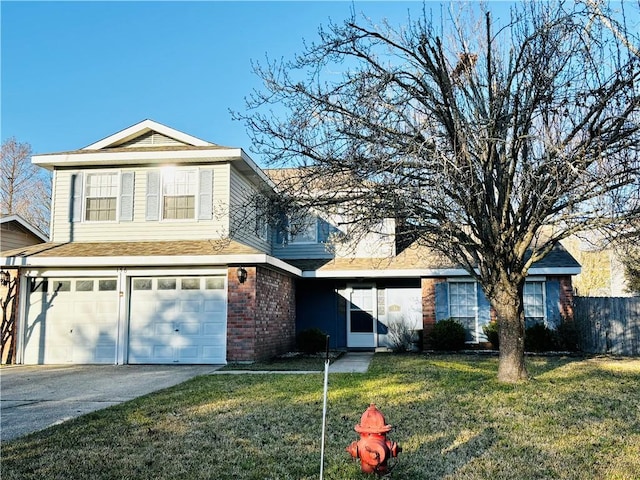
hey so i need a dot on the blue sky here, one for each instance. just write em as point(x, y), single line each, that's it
point(75, 72)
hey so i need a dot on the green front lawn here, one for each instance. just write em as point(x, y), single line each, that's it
point(578, 419)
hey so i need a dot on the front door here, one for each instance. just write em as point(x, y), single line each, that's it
point(361, 317)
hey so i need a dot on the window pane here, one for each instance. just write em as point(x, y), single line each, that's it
point(101, 197)
point(179, 208)
point(39, 285)
point(462, 306)
point(304, 231)
point(107, 285)
point(167, 284)
point(102, 185)
point(84, 285)
point(534, 303)
point(190, 284)
point(361, 322)
point(62, 285)
point(214, 283)
point(179, 191)
point(100, 209)
point(142, 284)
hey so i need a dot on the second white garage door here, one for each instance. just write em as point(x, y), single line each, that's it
point(178, 320)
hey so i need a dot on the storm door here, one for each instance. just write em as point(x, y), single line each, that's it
point(361, 316)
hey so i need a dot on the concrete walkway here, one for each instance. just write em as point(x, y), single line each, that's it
point(352, 362)
point(349, 362)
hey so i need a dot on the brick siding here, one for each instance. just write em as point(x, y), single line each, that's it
point(428, 307)
point(566, 296)
point(260, 315)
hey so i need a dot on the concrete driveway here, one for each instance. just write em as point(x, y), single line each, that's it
point(35, 397)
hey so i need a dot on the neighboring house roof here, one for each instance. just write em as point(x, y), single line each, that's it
point(24, 224)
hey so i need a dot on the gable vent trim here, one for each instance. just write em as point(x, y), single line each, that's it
point(150, 139)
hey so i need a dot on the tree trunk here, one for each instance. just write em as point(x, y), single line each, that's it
point(509, 308)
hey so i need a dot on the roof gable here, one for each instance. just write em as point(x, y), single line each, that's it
point(21, 222)
point(148, 133)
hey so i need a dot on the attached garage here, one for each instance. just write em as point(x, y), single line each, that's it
point(178, 320)
point(71, 320)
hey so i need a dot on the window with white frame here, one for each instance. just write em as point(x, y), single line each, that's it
point(101, 197)
point(534, 304)
point(179, 194)
point(304, 230)
point(463, 307)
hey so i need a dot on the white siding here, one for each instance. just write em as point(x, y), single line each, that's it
point(139, 229)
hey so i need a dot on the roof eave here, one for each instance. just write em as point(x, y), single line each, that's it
point(155, 157)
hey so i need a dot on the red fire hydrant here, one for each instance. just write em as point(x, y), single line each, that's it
point(373, 449)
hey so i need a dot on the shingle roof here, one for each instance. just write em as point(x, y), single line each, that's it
point(417, 258)
point(412, 258)
point(133, 249)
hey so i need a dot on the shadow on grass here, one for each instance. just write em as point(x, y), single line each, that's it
point(449, 414)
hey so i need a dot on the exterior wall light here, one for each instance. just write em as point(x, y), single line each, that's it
point(242, 274)
point(5, 278)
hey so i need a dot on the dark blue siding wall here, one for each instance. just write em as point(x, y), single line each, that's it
point(442, 301)
point(317, 306)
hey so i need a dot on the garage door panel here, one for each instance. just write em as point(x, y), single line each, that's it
point(67, 323)
point(162, 352)
point(163, 328)
point(190, 306)
point(190, 328)
point(214, 306)
point(181, 319)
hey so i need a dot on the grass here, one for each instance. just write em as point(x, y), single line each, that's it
point(577, 419)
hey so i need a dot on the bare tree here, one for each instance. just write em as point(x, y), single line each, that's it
point(25, 188)
point(489, 146)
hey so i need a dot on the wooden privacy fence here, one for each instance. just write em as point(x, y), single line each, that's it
point(608, 324)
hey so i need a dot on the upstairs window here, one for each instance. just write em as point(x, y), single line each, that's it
point(179, 194)
point(304, 230)
point(101, 197)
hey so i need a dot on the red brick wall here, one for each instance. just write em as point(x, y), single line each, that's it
point(241, 306)
point(428, 307)
point(260, 315)
point(275, 314)
point(566, 296)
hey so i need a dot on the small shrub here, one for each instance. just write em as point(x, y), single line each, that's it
point(493, 334)
point(448, 335)
point(568, 336)
point(312, 340)
point(401, 336)
point(539, 338)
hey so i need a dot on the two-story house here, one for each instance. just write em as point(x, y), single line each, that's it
point(158, 255)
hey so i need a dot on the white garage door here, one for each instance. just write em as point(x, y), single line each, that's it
point(178, 320)
point(71, 320)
